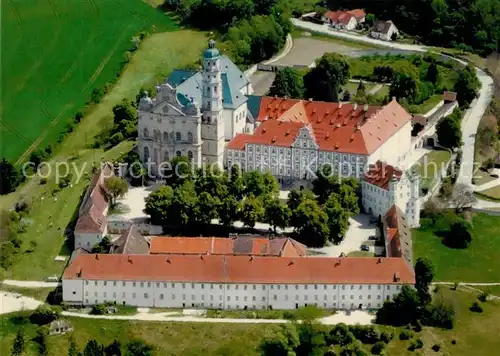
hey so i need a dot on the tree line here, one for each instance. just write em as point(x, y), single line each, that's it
point(324, 82)
point(470, 25)
point(191, 200)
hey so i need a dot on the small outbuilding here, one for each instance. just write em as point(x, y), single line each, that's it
point(384, 30)
point(59, 327)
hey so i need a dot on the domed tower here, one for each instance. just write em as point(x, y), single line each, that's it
point(212, 124)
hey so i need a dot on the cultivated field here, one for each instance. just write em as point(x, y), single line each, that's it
point(54, 53)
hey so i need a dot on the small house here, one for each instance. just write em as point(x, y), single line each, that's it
point(58, 327)
point(340, 20)
point(384, 30)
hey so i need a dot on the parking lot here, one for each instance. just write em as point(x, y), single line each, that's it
point(360, 229)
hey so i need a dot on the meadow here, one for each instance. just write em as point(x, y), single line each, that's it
point(54, 53)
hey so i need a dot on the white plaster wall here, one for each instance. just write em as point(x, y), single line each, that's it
point(227, 295)
point(395, 149)
point(87, 240)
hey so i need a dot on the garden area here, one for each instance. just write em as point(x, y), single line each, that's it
point(478, 262)
point(429, 167)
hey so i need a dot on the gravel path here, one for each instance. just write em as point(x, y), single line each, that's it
point(12, 302)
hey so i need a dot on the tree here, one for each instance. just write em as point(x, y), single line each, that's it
point(125, 119)
point(325, 183)
point(102, 246)
point(361, 89)
point(370, 19)
point(404, 86)
point(236, 185)
point(206, 208)
point(277, 214)
point(462, 197)
point(229, 211)
point(432, 74)
point(324, 81)
point(158, 205)
point(44, 315)
point(338, 218)
point(9, 177)
point(180, 171)
point(41, 340)
point(348, 199)
point(252, 211)
point(138, 348)
point(259, 184)
point(466, 86)
point(424, 274)
point(19, 343)
point(459, 235)
point(378, 348)
point(93, 348)
point(449, 132)
point(117, 187)
point(402, 310)
point(384, 74)
point(340, 335)
point(287, 83)
point(113, 349)
point(311, 223)
point(283, 343)
point(72, 348)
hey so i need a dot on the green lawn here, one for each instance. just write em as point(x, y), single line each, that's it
point(480, 262)
point(57, 52)
point(430, 165)
point(360, 254)
point(426, 106)
point(475, 333)
point(493, 193)
point(482, 177)
point(168, 338)
point(158, 55)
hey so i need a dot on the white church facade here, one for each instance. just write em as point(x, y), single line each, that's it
point(194, 113)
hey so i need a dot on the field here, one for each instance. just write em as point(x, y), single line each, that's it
point(480, 262)
point(158, 55)
point(169, 338)
point(57, 52)
point(492, 193)
point(474, 333)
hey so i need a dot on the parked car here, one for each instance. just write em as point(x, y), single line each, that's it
point(373, 220)
point(365, 248)
point(373, 238)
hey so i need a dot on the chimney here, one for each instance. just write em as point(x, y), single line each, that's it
point(365, 107)
point(379, 260)
point(251, 258)
point(286, 97)
point(291, 262)
point(96, 256)
point(129, 260)
point(310, 99)
point(355, 106)
point(340, 105)
point(168, 260)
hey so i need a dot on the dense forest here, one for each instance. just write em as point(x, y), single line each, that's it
point(472, 25)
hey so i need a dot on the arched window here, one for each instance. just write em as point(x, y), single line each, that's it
point(190, 155)
point(146, 154)
point(166, 156)
point(165, 136)
point(190, 136)
point(155, 155)
point(178, 136)
point(157, 135)
point(146, 132)
point(178, 153)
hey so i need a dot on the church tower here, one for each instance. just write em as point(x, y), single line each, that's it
point(212, 124)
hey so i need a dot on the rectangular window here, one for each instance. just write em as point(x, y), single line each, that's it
point(87, 283)
point(149, 284)
point(142, 284)
point(173, 285)
point(114, 283)
point(145, 295)
point(192, 285)
point(161, 296)
point(133, 284)
point(133, 295)
point(183, 285)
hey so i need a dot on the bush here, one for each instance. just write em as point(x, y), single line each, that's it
point(44, 315)
point(476, 308)
point(43, 181)
point(378, 347)
point(78, 116)
point(483, 297)
point(436, 347)
point(31, 246)
point(416, 344)
point(98, 309)
point(387, 336)
point(405, 335)
point(365, 334)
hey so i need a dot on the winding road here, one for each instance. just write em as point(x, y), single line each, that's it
point(472, 116)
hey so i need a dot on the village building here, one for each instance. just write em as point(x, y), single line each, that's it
point(340, 20)
point(58, 327)
point(384, 186)
point(384, 30)
point(397, 235)
point(234, 282)
point(293, 138)
point(194, 113)
point(240, 245)
point(130, 242)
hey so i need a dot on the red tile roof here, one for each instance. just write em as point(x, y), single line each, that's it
point(339, 17)
point(240, 269)
point(227, 246)
point(398, 235)
point(449, 96)
point(358, 13)
point(380, 174)
point(347, 128)
point(94, 204)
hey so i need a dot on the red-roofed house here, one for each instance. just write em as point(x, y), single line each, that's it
point(341, 19)
point(397, 235)
point(384, 187)
point(295, 137)
point(234, 282)
point(91, 225)
point(360, 14)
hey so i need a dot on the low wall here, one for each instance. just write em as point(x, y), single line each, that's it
point(118, 226)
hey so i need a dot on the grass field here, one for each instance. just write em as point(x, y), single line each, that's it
point(480, 262)
point(168, 338)
point(429, 166)
point(158, 55)
point(493, 193)
point(427, 105)
point(57, 52)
